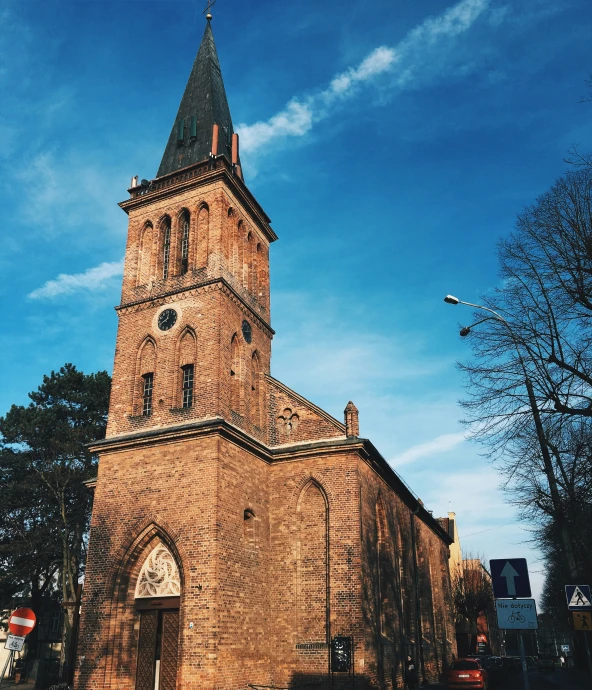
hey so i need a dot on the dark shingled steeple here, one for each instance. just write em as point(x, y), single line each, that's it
point(203, 105)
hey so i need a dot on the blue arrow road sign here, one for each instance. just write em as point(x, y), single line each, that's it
point(509, 577)
point(578, 597)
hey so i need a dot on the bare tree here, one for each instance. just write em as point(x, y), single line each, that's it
point(530, 382)
point(472, 594)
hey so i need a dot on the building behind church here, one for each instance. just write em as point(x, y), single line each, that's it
point(239, 532)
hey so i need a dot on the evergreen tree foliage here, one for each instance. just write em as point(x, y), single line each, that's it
point(44, 504)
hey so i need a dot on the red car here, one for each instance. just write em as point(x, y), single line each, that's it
point(467, 673)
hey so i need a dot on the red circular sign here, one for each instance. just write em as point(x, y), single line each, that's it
point(21, 622)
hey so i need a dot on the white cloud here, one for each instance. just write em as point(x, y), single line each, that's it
point(294, 120)
point(379, 61)
point(418, 56)
point(435, 446)
point(91, 280)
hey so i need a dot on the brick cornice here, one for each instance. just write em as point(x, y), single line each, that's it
point(361, 447)
point(202, 286)
point(193, 177)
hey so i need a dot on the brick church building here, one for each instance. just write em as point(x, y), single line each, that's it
point(240, 534)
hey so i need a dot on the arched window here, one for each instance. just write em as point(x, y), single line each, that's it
point(249, 529)
point(145, 255)
point(235, 374)
point(249, 256)
point(313, 565)
point(240, 256)
point(257, 271)
point(184, 234)
point(187, 355)
point(166, 246)
point(145, 379)
point(159, 576)
point(227, 240)
point(203, 231)
point(384, 569)
point(255, 390)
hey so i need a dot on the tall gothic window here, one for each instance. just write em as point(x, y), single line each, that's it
point(255, 394)
point(184, 244)
point(187, 385)
point(147, 394)
point(234, 374)
point(166, 250)
point(313, 565)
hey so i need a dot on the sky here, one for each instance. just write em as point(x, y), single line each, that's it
point(392, 143)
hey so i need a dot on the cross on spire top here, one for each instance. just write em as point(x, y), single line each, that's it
point(209, 6)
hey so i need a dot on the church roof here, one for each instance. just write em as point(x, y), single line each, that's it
point(203, 104)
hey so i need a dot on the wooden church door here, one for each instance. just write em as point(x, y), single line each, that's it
point(157, 602)
point(158, 649)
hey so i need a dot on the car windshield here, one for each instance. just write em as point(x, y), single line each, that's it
point(464, 666)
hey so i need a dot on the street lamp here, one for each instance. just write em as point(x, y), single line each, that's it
point(536, 415)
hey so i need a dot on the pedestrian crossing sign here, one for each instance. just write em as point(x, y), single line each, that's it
point(578, 597)
point(582, 620)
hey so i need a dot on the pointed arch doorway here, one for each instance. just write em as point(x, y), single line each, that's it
point(157, 599)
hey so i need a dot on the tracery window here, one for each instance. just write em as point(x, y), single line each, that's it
point(159, 576)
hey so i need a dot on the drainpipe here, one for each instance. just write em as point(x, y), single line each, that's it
point(417, 599)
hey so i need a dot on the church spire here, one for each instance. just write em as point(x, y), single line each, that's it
point(203, 124)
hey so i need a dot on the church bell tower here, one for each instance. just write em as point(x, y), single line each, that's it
point(194, 338)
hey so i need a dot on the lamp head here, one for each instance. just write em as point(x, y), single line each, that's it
point(450, 299)
point(464, 332)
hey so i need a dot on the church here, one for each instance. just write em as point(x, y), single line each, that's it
point(241, 536)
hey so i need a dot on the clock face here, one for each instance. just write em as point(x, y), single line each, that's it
point(167, 319)
point(247, 331)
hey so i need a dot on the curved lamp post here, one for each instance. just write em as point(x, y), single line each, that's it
point(536, 415)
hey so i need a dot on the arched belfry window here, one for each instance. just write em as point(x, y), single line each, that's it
point(203, 231)
point(184, 232)
point(255, 390)
point(166, 247)
point(159, 576)
point(144, 273)
point(235, 374)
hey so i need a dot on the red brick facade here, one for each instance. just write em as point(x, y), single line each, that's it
point(286, 527)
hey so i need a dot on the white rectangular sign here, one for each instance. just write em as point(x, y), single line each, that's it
point(516, 614)
point(14, 643)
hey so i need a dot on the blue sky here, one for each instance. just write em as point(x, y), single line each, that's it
point(391, 143)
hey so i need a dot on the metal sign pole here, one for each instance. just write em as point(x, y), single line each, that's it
point(524, 665)
point(587, 648)
point(8, 660)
